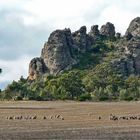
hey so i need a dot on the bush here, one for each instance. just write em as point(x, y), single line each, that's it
point(85, 97)
point(126, 95)
point(17, 98)
point(38, 98)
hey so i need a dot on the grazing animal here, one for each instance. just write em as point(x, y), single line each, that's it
point(99, 117)
point(111, 117)
point(34, 117)
point(62, 118)
point(57, 116)
point(17, 117)
point(26, 117)
point(20, 117)
point(10, 118)
point(51, 117)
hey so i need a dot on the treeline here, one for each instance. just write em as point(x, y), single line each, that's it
point(99, 84)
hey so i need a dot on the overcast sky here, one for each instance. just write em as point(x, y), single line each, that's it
point(26, 24)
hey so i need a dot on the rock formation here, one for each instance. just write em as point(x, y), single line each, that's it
point(94, 32)
point(134, 28)
point(61, 50)
point(81, 40)
point(129, 61)
point(37, 67)
point(108, 30)
point(57, 52)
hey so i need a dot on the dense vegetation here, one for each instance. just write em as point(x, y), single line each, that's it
point(93, 78)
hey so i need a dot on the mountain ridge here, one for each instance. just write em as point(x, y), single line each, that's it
point(61, 51)
point(99, 65)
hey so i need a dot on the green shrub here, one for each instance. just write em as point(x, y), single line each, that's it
point(85, 97)
point(17, 98)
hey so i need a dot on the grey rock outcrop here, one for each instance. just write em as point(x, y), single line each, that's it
point(129, 61)
point(133, 50)
point(81, 40)
point(108, 30)
point(133, 29)
point(37, 67)
point(57, 52)
point(61, 51)
point(63, 48)
point(94, 32)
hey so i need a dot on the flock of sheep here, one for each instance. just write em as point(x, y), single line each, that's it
point(58, 116)
point(29, 117)
point(130, 117)
point(116, 117)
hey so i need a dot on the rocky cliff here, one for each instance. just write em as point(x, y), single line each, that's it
point(129, 61)
point(61, 51)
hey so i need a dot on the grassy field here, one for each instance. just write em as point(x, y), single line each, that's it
point(77, 120)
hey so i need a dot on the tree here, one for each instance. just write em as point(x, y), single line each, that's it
point(132, 84)
point(66, 86)
point(103, 75)
point(71, 83)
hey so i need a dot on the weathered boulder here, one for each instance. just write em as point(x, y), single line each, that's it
point(81, 40)
point(94, 32)
point(57, 52)
point(37, 68)
point(133, 29)
point(128, 63)
point(108, 30)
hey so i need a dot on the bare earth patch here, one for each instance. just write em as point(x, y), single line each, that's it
point(68, 120)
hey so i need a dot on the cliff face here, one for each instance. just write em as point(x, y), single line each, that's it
point(57, 52)
point(61, 50)
point(129, 61)
point(134, 28)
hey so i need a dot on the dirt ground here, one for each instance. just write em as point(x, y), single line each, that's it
point(76, 120)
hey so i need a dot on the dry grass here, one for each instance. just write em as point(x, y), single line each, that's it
point(81, 120)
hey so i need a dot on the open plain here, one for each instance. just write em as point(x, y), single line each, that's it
point(29, 120)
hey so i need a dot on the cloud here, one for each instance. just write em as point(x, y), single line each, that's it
point(16, 39)
point(75, 13)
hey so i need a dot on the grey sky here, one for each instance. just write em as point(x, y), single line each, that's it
point(26, 24)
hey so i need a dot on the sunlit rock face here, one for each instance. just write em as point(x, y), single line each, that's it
point(61, 51)
point(129, 62)
point(37, 67)
point(57, 52)
point(108, 30)
point(134, 28)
